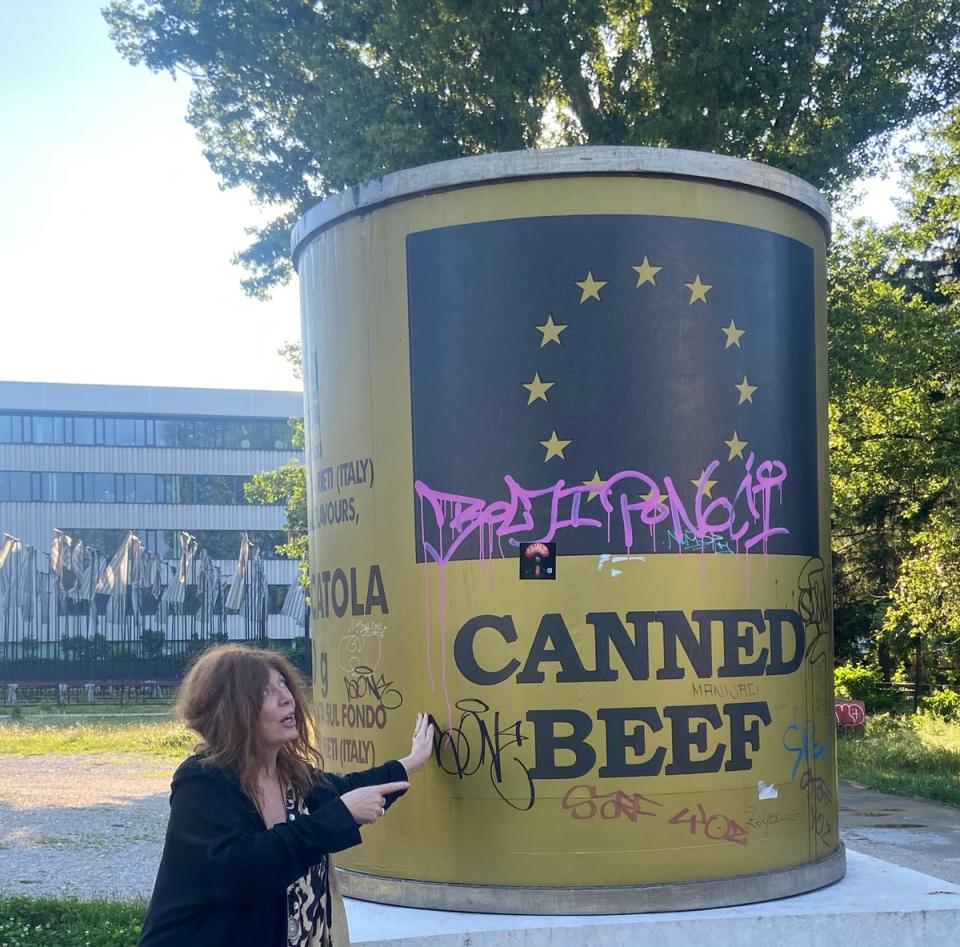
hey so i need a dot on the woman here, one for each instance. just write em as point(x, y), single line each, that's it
point(253, 817)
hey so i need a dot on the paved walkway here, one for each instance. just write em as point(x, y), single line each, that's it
point(912, 833)
point(84, 825)
point(93, 826)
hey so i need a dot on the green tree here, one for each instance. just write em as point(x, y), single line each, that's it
point(932, 267)
point(29, 647)
point(153, 642)
point(297, 99)
point(895, 417)
point(286, 485)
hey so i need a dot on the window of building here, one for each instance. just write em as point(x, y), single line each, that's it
point(46, 487)
point(198, 433)
point(44, 430)
point(183, 489)
point(56, 487)
point(145, 488)
point(217, 490)
point(104, 488)
point(20, 486)
point(62, 487)
point(126, 432)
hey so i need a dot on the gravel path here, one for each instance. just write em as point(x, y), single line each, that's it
point(84, 825)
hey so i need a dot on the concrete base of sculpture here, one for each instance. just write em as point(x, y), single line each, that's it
point(875, 904)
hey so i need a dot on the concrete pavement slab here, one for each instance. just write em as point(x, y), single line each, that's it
point(912, 833)
point(876, 905)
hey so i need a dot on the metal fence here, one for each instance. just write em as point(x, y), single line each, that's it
point(84, 628)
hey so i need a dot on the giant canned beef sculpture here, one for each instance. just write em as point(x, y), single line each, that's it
point(566, 428)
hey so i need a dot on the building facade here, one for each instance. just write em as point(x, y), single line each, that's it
point(98, 462)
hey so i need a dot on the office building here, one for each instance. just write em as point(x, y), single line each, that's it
point(97, 462)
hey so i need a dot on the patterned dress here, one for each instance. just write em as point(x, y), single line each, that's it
point(309, 901)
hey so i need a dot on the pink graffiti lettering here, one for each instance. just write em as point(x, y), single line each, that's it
point(583, 802)
point(850, 714)
point(716, 827)
point(625, 498)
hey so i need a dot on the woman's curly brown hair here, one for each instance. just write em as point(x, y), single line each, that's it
point(221, 698)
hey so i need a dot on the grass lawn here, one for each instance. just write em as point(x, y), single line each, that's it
point(910, 755)
point(42, 922)
point(99, 709)
point(155, 736)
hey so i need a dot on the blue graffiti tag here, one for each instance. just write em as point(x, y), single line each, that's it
point(801, 740)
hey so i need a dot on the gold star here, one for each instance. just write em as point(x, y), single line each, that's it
point(597, 481)
point(590, 287)
point(654, 496)
point(551, 331)
point(646, 273)
point(746, 391)
point(706, 485)
point(538, 389)
point(733, 334)
point(698, 290)
point(555, 447)
point(736, 446)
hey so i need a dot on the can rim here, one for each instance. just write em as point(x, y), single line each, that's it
point(587, 160)
point(693, 895)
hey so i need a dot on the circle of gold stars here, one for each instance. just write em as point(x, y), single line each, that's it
point(590, 288)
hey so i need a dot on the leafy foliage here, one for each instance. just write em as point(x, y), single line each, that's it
point(296, 99)
point(853, 682)
point(895, 415)
point(943, 703)
point(79, 647)
point(857, 683)
point(153, 642)
point(298, 653)
point(286, 485)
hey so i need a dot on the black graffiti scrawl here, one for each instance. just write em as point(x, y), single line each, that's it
point(612, 383)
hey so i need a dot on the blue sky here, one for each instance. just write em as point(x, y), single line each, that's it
point(115, 240)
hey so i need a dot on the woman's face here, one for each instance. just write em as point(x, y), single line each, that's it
point(278, 723)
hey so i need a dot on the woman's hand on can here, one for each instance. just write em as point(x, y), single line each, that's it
point(421, 746)
point(368, 803)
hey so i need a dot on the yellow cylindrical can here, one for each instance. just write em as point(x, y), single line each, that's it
point(568, 492)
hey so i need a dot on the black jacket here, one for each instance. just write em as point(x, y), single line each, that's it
point(223, 876)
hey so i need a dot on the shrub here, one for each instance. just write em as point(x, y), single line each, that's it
point(298, 653)
point(152, 642)
point(861, 683)
point(74, 647)
point(943, 703)
point(857, 683)
point(29, 646)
